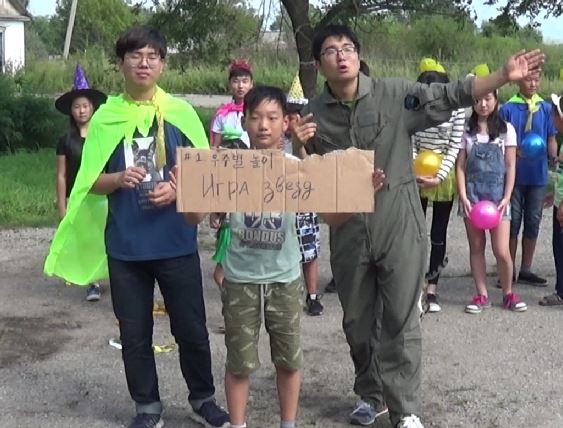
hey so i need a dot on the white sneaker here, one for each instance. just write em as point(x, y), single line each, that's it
point(410, 421)
point(432, 302)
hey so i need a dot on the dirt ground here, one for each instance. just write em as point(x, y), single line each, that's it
point(497, 369)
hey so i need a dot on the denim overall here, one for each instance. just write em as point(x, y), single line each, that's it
point(485, 171)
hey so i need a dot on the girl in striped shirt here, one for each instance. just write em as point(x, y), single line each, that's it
point(445, 140)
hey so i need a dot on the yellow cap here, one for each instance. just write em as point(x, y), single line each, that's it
point(430, 64)
point(481, 70)
point(427, 64)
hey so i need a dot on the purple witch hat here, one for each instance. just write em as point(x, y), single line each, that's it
point(80, 88)
point(80, 81)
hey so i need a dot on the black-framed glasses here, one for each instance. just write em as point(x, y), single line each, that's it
point(136, 59)
point(346, 51)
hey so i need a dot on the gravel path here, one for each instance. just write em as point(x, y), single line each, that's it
point(497, 369)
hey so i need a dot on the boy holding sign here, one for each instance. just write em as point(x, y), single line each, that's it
point(262, 264)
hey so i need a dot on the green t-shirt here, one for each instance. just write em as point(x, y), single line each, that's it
point(264, 248)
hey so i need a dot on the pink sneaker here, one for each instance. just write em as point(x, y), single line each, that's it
point(478, 303)
point(512, 302)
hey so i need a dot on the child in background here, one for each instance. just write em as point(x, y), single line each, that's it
point(227, 131)
point(79, 104)
point(307, 224)
point(308, 231)
point(445, 140)
point(556, 299)
point(528, 112)
point(485, 170)
point(228, 118)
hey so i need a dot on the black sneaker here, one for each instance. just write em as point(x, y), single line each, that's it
point(314, 306)
point(212, 415)
point(93, 292)
point(532, 279)
point(330, 287)
point(146, 420)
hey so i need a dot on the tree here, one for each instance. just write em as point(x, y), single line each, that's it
point(441, 36)
point(530, 8)
point(98, 22)
point(507, 26)
point(347, 11)
point(206, 30)
point(43, 37)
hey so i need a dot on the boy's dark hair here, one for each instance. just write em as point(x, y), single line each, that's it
point(264, 93)
point(139, 37)
point(240, 68)
point(239, 72)
point(333, 30)
point(428, 77)
point(495, 125)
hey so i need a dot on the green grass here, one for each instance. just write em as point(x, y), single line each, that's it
point(27, 186)
point(27, 189)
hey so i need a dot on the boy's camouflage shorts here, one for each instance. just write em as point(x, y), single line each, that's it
point(242, 310)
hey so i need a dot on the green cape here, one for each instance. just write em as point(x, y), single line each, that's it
point(78, 252)
point(519, 99)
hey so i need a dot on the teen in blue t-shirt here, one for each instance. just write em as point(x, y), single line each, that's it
point(146, 239)
point(531, 174)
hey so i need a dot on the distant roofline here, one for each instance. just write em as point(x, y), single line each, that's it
point(24, 14)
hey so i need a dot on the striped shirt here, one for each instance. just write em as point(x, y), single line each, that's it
point(444, 139)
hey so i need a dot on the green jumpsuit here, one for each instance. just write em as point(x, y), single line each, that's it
point(383, 255)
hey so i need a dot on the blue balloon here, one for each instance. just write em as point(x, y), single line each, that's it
point(533, 146)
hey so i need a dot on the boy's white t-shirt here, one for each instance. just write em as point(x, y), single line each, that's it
point(264, 248)
point(234, 120)
point(510, 140)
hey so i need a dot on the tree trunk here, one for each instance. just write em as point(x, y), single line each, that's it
point(298, 12)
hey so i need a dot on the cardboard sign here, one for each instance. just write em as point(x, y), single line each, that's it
point(223, 180)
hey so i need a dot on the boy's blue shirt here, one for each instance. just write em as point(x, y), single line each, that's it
point(530, 172)
point(136, 230)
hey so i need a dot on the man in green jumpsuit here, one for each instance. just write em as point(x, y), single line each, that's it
point(383, 253)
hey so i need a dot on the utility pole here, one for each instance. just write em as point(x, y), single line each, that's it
point(69, 28)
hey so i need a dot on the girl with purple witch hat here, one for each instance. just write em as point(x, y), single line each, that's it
point(79, 104)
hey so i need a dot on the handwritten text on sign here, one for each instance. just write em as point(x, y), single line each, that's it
point(267, 180)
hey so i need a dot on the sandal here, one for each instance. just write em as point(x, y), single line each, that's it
point(551, 300)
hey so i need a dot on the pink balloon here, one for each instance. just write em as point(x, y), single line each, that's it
point(485, 215)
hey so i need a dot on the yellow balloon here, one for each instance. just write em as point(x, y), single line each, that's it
point(427, 164)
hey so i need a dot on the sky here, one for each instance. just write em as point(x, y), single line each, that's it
point(552, 28)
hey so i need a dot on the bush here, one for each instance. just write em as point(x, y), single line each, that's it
point(27, 121)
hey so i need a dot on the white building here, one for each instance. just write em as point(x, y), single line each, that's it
point(13, 16)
